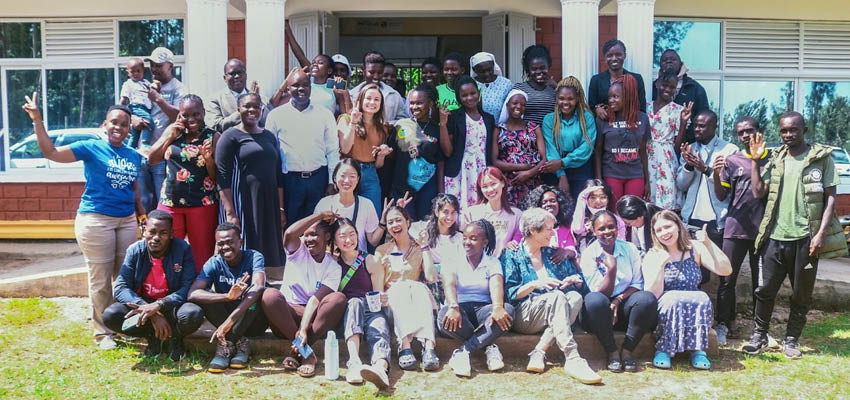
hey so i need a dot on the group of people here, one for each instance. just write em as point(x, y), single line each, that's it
point(469, 206)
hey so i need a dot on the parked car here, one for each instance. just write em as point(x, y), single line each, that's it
point(842, 168)
point(26, 154)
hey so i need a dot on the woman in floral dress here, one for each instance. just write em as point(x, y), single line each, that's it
point(667, 123)
point(671, 271)
point(465, 142)
point(189, 192)
point(518, 148)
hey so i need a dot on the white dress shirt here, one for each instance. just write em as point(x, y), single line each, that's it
point(308, 138)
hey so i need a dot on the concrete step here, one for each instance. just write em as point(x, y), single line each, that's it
point(512, 345)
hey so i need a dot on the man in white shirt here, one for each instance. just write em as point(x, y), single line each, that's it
point(309, 141)
point(695, 178)
point(373, 72)
point(221, 108)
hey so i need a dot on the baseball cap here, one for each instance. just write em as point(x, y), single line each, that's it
point(339, 58)
point(161, 55)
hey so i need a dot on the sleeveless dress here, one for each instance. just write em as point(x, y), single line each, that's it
point(684, 311)
point(519, 147)
point(661, 156)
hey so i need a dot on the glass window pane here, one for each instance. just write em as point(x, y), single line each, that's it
point(762, 100)
point(20, 40)
point(78, 98)
point(698, 43)
point(826, 106)
point(21, 83)
point(139, 38)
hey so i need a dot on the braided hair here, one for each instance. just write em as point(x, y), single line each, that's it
point(631, 104)
point(489, 233)
point(573, 83)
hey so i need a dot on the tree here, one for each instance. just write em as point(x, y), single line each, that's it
point(820, 91)
point(755, 108)
point(668, 35)
point(834, 122)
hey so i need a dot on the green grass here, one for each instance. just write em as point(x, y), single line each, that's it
point(44, 355)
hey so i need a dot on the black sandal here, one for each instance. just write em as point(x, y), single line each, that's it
point(615, 365)
point(629, 365)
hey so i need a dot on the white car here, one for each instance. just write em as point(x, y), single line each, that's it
point(842, 168)
point(26, 154)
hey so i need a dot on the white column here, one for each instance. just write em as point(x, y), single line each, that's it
point(264, 44)
point(635, 28)
point(206, 45)
point(579, 39)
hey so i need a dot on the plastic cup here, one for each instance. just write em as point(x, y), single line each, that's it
point(373, 299)
point(397, 261)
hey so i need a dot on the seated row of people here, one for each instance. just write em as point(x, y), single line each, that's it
point(534, 286)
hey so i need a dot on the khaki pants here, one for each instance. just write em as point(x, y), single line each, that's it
point(552, 313)
point(103, 241)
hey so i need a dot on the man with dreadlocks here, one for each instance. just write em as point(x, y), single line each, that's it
point(570, 135)
point(620, 158)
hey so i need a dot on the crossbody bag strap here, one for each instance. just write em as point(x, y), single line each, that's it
point(351, 270)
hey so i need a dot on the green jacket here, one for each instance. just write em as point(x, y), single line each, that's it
point(835, 244)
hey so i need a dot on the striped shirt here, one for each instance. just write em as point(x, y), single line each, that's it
point(540, 102)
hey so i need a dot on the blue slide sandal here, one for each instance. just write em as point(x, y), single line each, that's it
point(661, 360)
point(699, 360)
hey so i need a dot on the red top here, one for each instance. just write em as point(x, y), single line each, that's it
point(155, 286)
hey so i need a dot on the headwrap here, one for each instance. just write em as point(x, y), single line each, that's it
point(482, 57)
point(503, 116)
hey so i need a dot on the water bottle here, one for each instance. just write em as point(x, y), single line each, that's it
point(331, 357)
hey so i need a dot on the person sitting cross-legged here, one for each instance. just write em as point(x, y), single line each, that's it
point(238, 278)
point(152, 284)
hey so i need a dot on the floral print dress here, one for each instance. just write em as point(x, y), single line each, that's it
point(187, 181)
point(474, 160)
point(663, 163)
point(519, 147)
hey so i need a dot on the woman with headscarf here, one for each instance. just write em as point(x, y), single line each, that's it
point(518, 149)
point(493, 85)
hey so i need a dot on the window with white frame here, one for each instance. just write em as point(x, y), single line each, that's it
point(77, 68)
point(763, 68)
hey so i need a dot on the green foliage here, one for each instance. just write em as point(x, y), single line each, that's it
point(139, 38)
point(20, 40)
point(668, 35)
point(78, 98)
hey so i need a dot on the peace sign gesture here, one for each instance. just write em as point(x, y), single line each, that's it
point(31, 107)
point(444, 113)
point(404, 201)
point(686, 112)
point(239, 287)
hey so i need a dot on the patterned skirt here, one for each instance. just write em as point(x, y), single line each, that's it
point(684, 321)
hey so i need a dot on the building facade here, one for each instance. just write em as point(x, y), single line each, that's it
point(757, 57)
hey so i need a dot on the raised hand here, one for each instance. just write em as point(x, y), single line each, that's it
point(685, 116)
point(239, 287)
point(757, 146)
point(444, 113)
point(255, 87)
point(31, 107)
point(207, 150)
point(405, 200)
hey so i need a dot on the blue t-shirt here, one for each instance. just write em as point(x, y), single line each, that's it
point(110, 174)
point(216, 271)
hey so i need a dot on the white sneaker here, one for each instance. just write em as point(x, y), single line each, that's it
point(460, 363)
point(375, 375)
point(494, 358)
point(353, 375)
point(772, 343)
point(722, 331)
point(577, 368)
point(536, 361)
point(107, 343)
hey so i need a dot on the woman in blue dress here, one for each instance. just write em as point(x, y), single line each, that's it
point(672, 272)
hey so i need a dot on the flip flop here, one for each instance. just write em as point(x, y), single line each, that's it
point(661, 360)
point(699, 360)
point(291, 362)
point(306, 370)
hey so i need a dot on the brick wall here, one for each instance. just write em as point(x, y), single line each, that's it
point(236, 39)
point(39, 201)
point(549, 34)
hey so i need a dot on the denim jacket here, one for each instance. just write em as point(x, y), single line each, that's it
point(178, 264)
point(518, 270)
point(688, 181)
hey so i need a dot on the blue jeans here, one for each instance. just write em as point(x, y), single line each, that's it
point(370, 186)
point(301, 193)
point(145, 135)
point(474, 331)
point(151, 178)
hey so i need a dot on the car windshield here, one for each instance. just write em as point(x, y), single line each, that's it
point(840, 156)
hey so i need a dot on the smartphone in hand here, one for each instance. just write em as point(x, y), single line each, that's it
point(130, 322)
point(303, 348)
